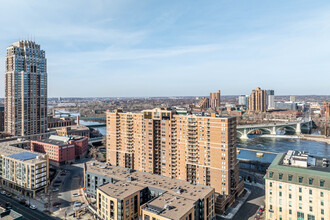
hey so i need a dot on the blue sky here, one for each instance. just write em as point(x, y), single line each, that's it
point(174, 48)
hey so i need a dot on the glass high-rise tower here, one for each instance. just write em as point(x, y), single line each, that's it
point(26, 89)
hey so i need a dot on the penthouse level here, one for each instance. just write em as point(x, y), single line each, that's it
point(123, 193)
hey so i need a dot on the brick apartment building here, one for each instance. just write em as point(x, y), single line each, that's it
point(61, 150)
point(197, 149)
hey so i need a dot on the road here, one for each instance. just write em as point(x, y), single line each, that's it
point(23, 210)
point(252, 204)
point(72, 182)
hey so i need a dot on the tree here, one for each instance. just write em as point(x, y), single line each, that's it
point(93, 152)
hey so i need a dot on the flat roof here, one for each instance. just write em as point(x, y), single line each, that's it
point(170, 206)
point(24, 156)
point(187, 190)
point(120, 190)
point(318, 169)
point(12, 149)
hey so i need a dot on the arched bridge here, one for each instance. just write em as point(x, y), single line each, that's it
point(244, 130)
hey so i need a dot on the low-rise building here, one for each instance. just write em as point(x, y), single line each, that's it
point(61, 150)
point(55, 122)
point(22, 170)
point(79, 130)
point(122, 193)
point(298, 187)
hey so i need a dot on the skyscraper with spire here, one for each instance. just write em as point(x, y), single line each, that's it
point(26, 89)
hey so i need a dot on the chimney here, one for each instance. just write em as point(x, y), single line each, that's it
point(77, 119)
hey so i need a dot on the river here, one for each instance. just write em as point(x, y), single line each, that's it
point(276, 145)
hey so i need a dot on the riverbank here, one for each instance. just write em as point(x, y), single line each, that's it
point(318, 138)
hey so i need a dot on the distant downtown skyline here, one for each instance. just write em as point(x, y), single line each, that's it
point(170, 48)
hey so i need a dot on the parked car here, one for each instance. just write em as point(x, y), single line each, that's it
point(22, 201)
point(33, 207)
point(77, 204)
point(55, 189)
point(76, 194)
point(8, 195)
point(3, 192)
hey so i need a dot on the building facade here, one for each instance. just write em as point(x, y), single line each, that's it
point(270, 99)
point(78, 130)
point(298, 187)
point(61, 150)
point(243, 100)
point(215, 99)
point(2, 117)
point(22, 170)
point(257, 101)
point(123, 193)
point(26, 89)
point(197, 149)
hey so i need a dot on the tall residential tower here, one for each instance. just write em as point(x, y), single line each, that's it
point(26, 89)
point(215, 99)
point(257, 101)
point(197, 149)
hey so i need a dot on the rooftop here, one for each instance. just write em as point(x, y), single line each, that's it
point(170, 206)
point(120, 190)
point(12, 149)
point(60, 140)
point(173, 186)
point(300, 165)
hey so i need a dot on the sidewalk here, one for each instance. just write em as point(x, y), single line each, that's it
point(241, 201)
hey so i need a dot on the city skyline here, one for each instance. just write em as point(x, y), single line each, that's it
point(125, 49)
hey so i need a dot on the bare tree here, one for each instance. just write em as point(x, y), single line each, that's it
point(93, 152)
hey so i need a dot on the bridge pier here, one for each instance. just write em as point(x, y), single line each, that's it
point(273, 131)
point(298, 129)
point(244, 135)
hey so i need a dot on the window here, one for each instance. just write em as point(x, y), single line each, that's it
point(271, 207)
point(310, 181)
point(290, 177)
point(310, 199)
point(300, 179)
point(322, 211)
point(310, 192)
point(280, 176)
point(321, 183)
point(290, 211)
point(310, 208)
point(300, 206)
point(290, 196)
point(300, 198)
point(280, 193)
point(310, 217)
point(271, 174)
point(300, 189)
point(270, 184)
point(322, 203)
point(270, 191)
point(280, 186)
point(300, 216)
point(290, 188)
point(290, 204)
point(280, 209)
point(321, 194)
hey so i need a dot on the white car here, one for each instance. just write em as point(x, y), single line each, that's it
point(3, 192)
point(77, 204)
point(33, 207)
point(76, 194)
point(55, 189)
